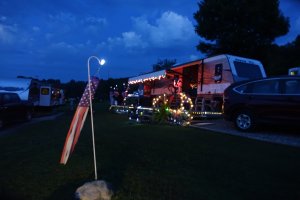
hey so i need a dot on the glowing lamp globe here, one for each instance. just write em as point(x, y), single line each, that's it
point(102, 62)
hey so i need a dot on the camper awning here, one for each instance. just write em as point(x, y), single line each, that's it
point(147, 77)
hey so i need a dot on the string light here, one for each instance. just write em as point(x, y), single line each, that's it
point(207, 113)
point(142, 80)
point(182, 115)
point(159, 99)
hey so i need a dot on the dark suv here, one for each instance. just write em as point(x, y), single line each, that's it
point(13, 109)
point(275, 99)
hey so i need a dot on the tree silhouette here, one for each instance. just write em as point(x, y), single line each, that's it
point(240, 27)
point(279, 59)
point(163, 64)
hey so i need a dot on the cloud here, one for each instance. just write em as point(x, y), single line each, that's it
point(129, 40)
point(3, 18)
point(7, 33)
point(65, 48)
point(36, 28)
point(63, 17)
point(95, 20)
point(48, 36)
point(170, 29)
point(93, 24)
point(64, 23)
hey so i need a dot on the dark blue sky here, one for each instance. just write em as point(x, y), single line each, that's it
point(54, 38)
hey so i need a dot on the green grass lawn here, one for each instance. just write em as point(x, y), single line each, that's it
point(145, 162)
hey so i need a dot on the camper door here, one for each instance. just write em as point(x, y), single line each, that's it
point(45, 96)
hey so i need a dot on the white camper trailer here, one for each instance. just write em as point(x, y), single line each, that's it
point(204, 81)
point(27, 89)
point(32, 90)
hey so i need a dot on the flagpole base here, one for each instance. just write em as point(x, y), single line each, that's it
point(95, 190)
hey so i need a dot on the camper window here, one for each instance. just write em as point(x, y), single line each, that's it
point(45, 91)
point(247, 70)
point(218, 73)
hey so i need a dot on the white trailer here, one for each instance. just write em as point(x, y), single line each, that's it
point(32, 90)
point(203, 80)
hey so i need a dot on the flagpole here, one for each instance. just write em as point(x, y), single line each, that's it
point(101, 62)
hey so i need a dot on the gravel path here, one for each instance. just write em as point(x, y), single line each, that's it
point(280, 135)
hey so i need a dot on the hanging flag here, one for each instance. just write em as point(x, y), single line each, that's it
point(78, 120)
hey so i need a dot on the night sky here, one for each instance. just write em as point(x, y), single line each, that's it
point(53, 38)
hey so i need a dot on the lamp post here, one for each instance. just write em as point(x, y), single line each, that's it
point(101, 62)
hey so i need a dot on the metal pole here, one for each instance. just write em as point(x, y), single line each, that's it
point(92, 118)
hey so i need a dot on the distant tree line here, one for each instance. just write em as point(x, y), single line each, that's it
point(163, 64)
point(75, 89)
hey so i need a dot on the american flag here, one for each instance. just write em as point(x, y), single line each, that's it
point(78, 120)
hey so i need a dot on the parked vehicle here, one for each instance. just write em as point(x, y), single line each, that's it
point(274, 99)
point(12, 108)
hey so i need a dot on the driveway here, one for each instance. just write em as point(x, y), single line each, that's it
point(270, 133)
